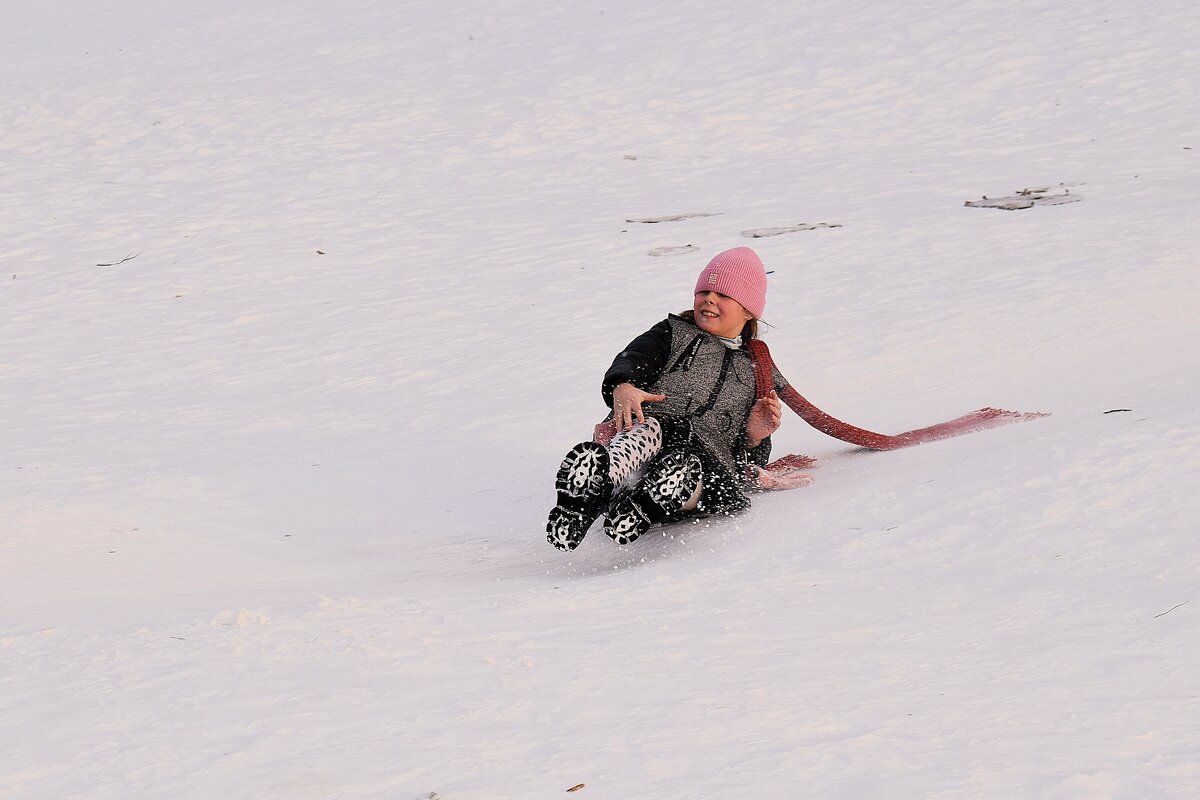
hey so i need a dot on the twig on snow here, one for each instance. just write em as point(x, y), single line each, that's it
point(1172, 608)
point(673, 217)
point(129, 257)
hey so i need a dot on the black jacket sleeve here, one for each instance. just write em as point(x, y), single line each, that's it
point(760, 455)
point(641, 362)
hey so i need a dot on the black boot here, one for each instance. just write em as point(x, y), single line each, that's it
point(670, 481)
point(584, 488)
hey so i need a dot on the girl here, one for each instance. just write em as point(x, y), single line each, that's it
point(687, 425)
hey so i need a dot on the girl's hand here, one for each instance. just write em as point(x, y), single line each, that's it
point(627, 405)
point(765, 418)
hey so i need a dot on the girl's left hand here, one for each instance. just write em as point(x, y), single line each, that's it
point(765, 418)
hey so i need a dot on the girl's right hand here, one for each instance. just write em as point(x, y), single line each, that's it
point(627, 405)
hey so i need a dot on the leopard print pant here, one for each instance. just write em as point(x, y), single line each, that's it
point(630, 451)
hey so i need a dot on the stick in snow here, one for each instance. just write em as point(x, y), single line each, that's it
point(129, 257)
point(1172, 608)
point(672, 218)
point(760, 233)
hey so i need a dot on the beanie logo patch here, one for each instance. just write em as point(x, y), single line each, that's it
point(712, 279)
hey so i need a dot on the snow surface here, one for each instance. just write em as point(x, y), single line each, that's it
point(303, 302)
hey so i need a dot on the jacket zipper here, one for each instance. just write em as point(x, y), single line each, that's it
point(712, 397)
point(686, 358)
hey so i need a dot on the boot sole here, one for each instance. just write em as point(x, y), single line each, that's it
point(583, 486)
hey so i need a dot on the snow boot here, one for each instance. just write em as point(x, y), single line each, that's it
point(584, 488)
point(661, 495)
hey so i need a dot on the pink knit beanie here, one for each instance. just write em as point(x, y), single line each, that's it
point(737, 273)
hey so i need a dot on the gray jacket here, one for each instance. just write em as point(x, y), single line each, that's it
point(706, 382)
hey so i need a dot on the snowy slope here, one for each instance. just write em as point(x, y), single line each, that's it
point(303, 302)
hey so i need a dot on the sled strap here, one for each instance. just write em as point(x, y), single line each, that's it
point(764, 381)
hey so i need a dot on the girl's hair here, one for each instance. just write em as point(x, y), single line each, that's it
point(749, 330)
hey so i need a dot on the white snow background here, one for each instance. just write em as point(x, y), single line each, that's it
point(302, 302)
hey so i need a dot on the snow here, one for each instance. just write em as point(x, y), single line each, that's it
point(276, 478)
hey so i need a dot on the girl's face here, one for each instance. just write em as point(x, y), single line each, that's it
point(720, 315)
